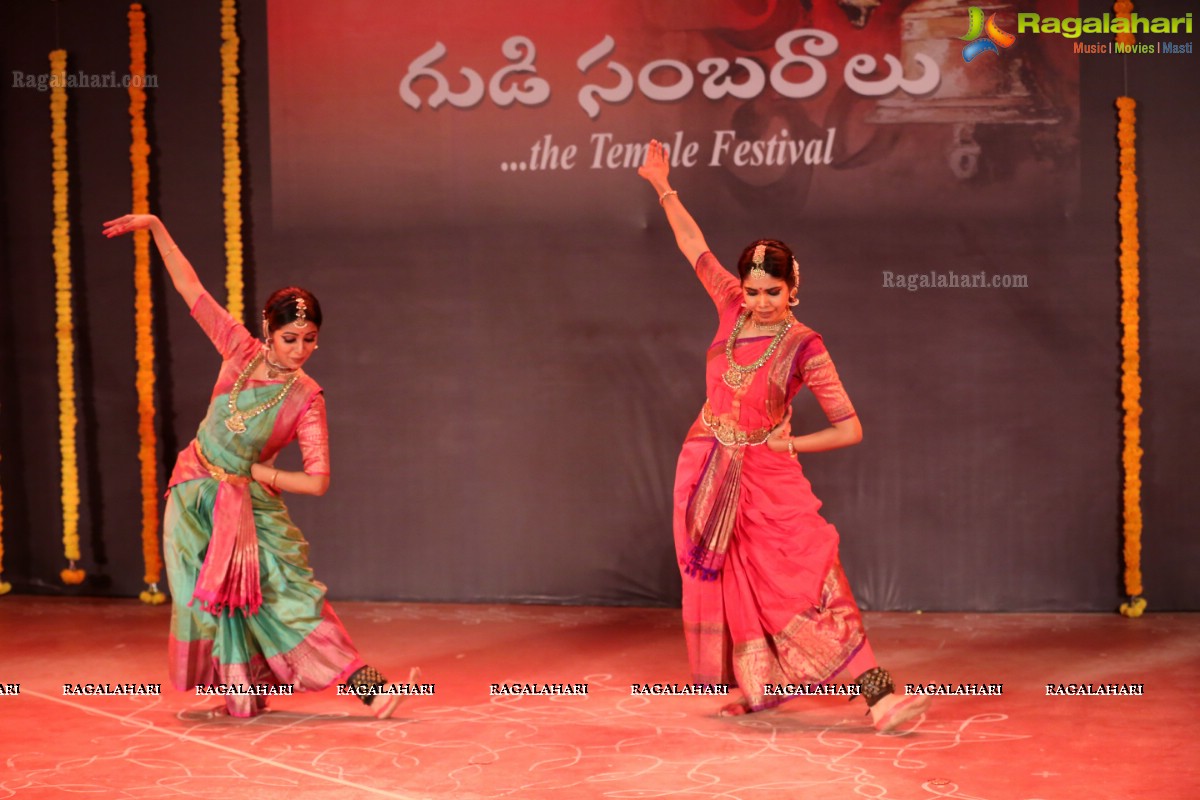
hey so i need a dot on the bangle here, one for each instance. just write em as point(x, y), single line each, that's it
point(791, 448)
point(273, 477)
point(663, 197)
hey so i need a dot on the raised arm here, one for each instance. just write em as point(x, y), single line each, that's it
point(687, 233)
point(178, 267)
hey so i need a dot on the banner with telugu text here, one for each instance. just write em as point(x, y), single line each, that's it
point(382, 112)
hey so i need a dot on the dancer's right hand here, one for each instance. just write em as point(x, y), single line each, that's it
point(128, 224)
point(655, 167)
point(182, 275)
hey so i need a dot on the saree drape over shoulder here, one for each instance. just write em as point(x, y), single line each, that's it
point(764, 597)
point(246, 610)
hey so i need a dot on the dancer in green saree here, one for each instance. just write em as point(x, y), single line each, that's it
point(247, 613)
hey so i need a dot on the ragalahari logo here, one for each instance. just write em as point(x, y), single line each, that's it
point(978, 27)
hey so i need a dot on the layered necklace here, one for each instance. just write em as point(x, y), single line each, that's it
point(236, 421)
point(739, 374)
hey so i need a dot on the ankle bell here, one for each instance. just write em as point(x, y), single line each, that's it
point(876, 684)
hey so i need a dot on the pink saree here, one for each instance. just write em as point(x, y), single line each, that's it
point(764, 597)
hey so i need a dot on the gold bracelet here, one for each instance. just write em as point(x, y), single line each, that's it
point(662, 198)
point(273, 477)
point(791, 448)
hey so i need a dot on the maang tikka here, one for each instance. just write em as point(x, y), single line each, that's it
point(760, 254)
point(301, 313)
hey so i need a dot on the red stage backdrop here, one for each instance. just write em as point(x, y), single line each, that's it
point(398, 111)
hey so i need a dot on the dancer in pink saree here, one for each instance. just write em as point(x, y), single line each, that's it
point(247, 613)
point(765, 603)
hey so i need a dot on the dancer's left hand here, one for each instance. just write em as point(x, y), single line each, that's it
point(263, 471)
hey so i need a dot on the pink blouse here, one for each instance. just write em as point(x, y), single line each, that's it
point(812, 365)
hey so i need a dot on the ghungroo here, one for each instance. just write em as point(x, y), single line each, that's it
point(366, 683)
point(876, 684)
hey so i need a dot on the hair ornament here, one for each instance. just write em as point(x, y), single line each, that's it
point(301, 313)
point(760, 254)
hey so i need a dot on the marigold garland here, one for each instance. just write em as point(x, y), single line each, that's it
point(1131, 382)
point(139, 157)
point(1124, 8)
point(234, 284)
point(64, 328)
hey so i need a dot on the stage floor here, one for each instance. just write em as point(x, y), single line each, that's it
point(463, 742)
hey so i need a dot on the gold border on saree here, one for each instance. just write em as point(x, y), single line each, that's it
point(729, 434)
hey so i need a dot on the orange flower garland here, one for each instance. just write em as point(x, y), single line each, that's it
point(1124, 8)
point(64, 328)
point(1131, 382)
point(234, 285)
point(139, 152)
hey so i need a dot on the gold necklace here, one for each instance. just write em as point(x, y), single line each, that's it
point(236, 422)
point(275, 370)
point(770, 327)
point(738, 374)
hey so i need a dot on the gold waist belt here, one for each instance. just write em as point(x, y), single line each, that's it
point(728, 433)
point(219, 473)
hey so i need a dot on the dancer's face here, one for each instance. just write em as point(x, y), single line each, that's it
point(292, 346)
point(766, 298)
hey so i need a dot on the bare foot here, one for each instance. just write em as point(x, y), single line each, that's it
point(384, 705)
point(894, 710)
point(740, 708)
